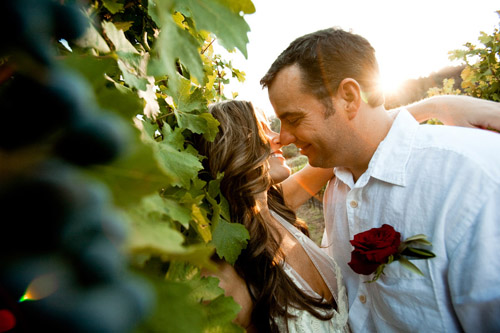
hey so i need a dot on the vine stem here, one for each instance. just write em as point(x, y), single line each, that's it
point(206, 48)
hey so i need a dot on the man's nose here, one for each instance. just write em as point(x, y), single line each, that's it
point(286, 137)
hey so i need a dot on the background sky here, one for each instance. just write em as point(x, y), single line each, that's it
point(411, 38)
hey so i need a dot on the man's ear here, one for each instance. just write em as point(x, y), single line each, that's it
point(350, 93)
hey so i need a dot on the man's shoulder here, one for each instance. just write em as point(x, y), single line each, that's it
point(475, 147)
point(454, 138)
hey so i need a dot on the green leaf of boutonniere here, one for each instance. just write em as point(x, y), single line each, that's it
point(407, 264)
point(416, 253)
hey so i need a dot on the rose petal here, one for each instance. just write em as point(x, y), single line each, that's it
point(360, 265)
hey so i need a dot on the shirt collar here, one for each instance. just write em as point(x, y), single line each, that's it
point(388, 164)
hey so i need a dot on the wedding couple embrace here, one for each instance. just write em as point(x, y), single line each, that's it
point(389, 179)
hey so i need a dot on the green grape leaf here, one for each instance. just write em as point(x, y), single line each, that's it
point(174, 209)
point(187, 98)
point(93, 69)
point(229, 239)
point(214, 185)
point(175, 44)
point(175, 311)
point(224, 205)
point(131, 78)
point(212, 126)
point(174, 137)
point(180, 271)
point(236, 6)
point(177, 212)
point(202, 224)
point(93, 39)
point(152, 236)
point(220, 314)
point(198, 254)
point(206, 289)
point(123, 25)
point(122, 100)
point(180, 166)
point(240, 75)
point(201, 124)
point(113, 6)
point(132, 176)
point(214, 16)
point(118, 38)
point(98, 72)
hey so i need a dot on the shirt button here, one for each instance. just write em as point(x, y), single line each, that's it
point(353, 204)
point(362, 299)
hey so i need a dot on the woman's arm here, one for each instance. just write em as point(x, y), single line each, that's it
point(458, 110)
point(302, 185)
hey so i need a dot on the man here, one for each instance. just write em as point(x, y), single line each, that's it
point(440, 181)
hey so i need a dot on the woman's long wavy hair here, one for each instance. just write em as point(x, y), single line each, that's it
point(241, 151)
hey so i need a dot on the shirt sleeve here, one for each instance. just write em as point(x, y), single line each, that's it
point(474, 271)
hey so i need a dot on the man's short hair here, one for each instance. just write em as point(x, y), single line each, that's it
point(325, 58)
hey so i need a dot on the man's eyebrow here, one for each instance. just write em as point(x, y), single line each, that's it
point(290, 114)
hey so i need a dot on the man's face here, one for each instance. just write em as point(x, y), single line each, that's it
point(323, 139)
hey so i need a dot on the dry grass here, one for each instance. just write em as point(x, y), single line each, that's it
point(312, 213)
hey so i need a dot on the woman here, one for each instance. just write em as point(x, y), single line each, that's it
point(282, 280)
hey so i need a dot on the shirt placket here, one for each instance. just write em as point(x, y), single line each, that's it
point(362, 301)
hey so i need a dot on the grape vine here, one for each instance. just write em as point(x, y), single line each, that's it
point(107, 218)
point(481, 75)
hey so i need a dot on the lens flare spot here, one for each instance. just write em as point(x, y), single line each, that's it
point(40, 287)
point(7, 320)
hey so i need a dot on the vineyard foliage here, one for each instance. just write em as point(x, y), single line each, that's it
point(152, 62)
point(481, 75)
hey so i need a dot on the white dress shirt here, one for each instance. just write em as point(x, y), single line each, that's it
point(441, 181)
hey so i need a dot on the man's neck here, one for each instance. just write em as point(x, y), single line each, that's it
point(373, 127)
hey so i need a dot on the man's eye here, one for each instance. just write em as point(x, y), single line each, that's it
point(293, 121)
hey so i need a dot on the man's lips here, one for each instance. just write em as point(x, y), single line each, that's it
point(303, 149)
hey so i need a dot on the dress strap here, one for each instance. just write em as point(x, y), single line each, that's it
point(325, 265)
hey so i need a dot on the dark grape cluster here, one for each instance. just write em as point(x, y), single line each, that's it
point(61, 264)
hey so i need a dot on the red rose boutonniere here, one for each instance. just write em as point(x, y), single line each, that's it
point(378, 247)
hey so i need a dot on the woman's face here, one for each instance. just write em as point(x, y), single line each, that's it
point(278, 169)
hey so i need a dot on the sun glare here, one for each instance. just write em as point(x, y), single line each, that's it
point(40, 287)
point(391, 82)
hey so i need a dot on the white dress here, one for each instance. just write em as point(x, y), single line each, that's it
point(304, 321)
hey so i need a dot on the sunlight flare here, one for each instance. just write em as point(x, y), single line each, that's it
point(40, 287)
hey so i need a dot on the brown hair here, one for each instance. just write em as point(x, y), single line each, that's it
point(325, 58)
point(241, 150)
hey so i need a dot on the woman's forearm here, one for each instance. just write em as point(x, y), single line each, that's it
point(458, 110)
point(302, 185)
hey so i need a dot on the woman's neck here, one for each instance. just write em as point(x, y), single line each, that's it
point(264, 211)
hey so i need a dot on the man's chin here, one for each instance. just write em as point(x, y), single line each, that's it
point(312, 161)
point(317, 162)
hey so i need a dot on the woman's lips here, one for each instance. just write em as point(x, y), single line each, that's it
point(278, 154)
